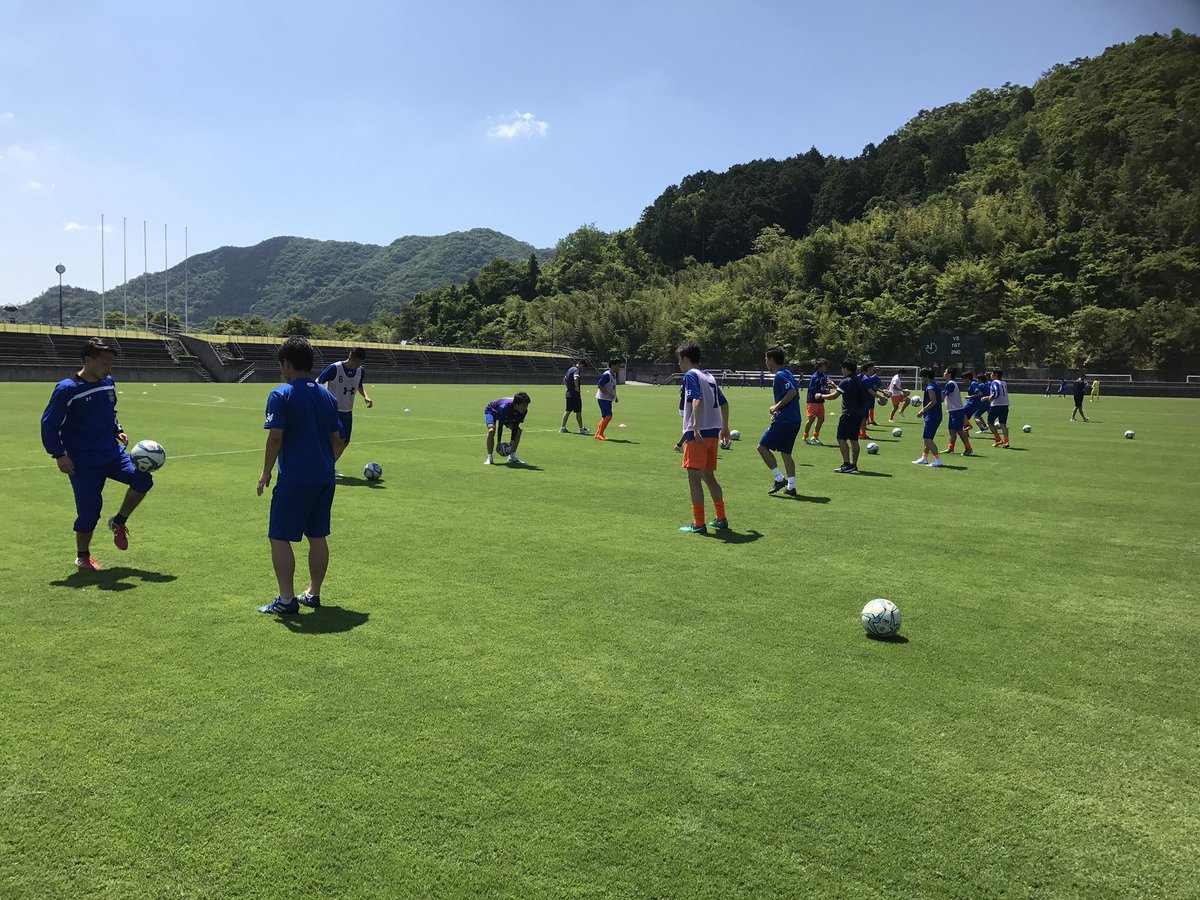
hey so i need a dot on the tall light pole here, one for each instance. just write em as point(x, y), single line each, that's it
point(60, 269)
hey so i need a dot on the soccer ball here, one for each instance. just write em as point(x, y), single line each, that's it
point(735, 435)
point(1129, 435)
point(725, 445)
point(897, 432)
point(881, 618)
point(372, 471)
point(148, 456)
point(872, 448)
point(883, 401)
point(916, 400)
point(505, 448)
point(1027, 428)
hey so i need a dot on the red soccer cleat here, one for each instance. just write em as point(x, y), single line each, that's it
point(120, 535)
point(86, 564)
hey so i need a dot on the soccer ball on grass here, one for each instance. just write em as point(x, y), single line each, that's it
point(881, 618)
point(725, 445)
point(897, 432)
point(872, 448)
point(372, 471)
point(505, 448)
point(735, 435)
point(1129, 435)
point(1027, 428)
point(148, 456)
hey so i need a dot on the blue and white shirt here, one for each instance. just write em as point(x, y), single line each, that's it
point(343, 383)
point(81, 421)
point(606, 387)
point(999, 394)
point(699, 385)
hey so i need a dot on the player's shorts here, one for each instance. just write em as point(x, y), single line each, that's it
point(896, 400)
point(957, 416)
point(300, 510)
point(998, 414)
point(605, 408)
point(969, 410)
point(932, 424)
point(848, 426)
point(575, 403)
point(1079, 401)
point(88, 485)
point(780, 436)
point(815, 410)
point(347, 425)
point(701, 454)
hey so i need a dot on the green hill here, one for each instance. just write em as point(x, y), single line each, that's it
point(320, 280)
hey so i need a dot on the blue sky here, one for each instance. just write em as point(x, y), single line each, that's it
point(367, 121)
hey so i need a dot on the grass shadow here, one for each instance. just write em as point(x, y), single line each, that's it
point(621, 441)
point(118, 578)
point(873, 474)
point(523, 467)
point(324, 620)
point(803, 498)
point(735, 537)
point(350, 481)
point(955, 468)
point(889, 639)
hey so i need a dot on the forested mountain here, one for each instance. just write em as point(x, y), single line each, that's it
point(1061, 221)
point(319, 280)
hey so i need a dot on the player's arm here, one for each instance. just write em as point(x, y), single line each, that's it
point(327, 374)
point(724, 415)
point(362, 389)
point(52, 420)
point(274, 443)
point(784, 401)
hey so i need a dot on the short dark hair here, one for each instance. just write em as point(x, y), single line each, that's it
point(298, 352)
point(953, 371)
point(690, 351)
point(849, 364)
point(868, 365)
point(968, 374)
point(927, 372)
point(358, 353)
point(999, 373)
point(94, 347)
point(820, 361)
point(521, 397)
point(776, 353)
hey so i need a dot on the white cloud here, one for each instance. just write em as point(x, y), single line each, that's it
point(7, 117)
point(33, 185)
point(76, 226)
point(17, 152)
point(519, 125)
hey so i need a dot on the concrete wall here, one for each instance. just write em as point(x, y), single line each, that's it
point(53, 374)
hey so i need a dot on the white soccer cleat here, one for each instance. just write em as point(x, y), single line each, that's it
point(512, 458)
point(488, 461)
point(585, 430)
point(921, 462)
point(563, 430)
point(936, 464)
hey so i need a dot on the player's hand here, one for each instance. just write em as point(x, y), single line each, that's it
point(123, 438)
point(370, 403)
point(65, 465)
point(264, 481)
point(725, 434)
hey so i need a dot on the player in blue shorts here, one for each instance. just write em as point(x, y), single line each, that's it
point(345, 380)
point(982, 396)
point(931, 412)
point(81, 431)
point(998, 408)
point(505, 412)
point(302, 424)
point(956, 412)
point(785, 423)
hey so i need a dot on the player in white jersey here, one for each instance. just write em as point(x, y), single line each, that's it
point(344, 380)
point(897, 393)
point(956, 410)
point(998, 411)
point(705, 420)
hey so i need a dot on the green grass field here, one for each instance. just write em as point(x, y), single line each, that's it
point(527, 683)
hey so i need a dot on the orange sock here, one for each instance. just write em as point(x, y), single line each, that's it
point(720, 505)
point(698, 514)
point(966, 442)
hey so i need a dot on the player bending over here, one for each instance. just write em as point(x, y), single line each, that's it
point(931, 412)
point(80, 429)
point(510, 412)
point(785, 423)
point(705, 422)
point(345, 380)
point(606, 396)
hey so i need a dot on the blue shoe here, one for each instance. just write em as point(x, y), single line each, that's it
point(693, 529)
point(719, 524)
point(312, 601)
point(280, 607)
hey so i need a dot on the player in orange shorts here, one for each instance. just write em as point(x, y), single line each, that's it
point(705, 420)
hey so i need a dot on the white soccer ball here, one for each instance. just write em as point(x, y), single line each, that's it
point(735, 435)
point(872, 448)
point(725, 445)
point(505, 448)
point(372, 471)
point(1027, 428)
point(148, 456)
point(897, 432)
point(916, 400)
point(1129, 435)
point(881, 618)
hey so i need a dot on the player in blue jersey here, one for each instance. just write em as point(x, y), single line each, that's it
point(873, 385)
point(345, 380)
point(80, 429)
point(854, 398)
point(506, 412)
point(705, 423)
point(785, 423)
point(606, 396)
point(818, 384)
point(956, 412)
point(984, 402)
point(931, 412)
point(302, 425)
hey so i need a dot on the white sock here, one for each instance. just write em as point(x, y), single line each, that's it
point(792, 483)
point(777, 473)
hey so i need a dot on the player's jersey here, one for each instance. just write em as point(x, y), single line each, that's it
point(606, 387)
point(1080, 388)
point(81, 420)
point(896, 386)
point(504, 412)
point(308, 416)
point(343, 383)
point(569, 381)
point(785, 381)
point(818, 384)
point(854, 396)
point(999, 395)
point(699, 385)
point(953, 396)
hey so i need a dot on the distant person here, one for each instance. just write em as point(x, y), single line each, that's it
point(1049, 386)
point(505, 412)
point(984, 403)
point(302, 425)
point(1095, 390)
point(345, 380)
point(80, 429)
point(818, 384)
point(705, 423)
point(1080, 387)
point(998, 409)
point(762, 379)
point(573, 381)
point(931, 412)
point(952, 397)
point(898, 394)
point(785, 423)
point(606, 396)
point(1062, 387)
point(854, 397)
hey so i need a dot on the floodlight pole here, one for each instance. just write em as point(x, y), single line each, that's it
point(60, 268)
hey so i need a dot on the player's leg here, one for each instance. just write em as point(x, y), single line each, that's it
point(695, 490)
point(855, 449)
point(490, 423)
point(87, 482)
point(517, 431)
point(317, 531)
point(816, 439)
point(719, 522)
point(139, 484)
point(342, 441)
point(566, 415)
point(283, 560)
point(290, 510)
point(765, 445)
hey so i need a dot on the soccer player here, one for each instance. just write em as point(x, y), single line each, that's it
point(1049, 386)
point(931, 412)
point(506, 411)
point(871, 382)
point(984, 402)
point(998, 411)
point(897, 393)
point(80, 429)
point(302, 425)
point(1080, 386)
point(575, 397)
point(1062, 387)
point(1095, 390)
point(785, 423)
point(345, 380)
point(818, 384)
point(854, 397)
point(606, 396)
point(952, 397)
point(705, 420)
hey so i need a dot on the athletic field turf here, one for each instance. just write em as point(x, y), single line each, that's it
point(527, 683)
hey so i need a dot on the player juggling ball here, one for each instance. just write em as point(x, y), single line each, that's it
point(81, 431)
point(505, 412)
